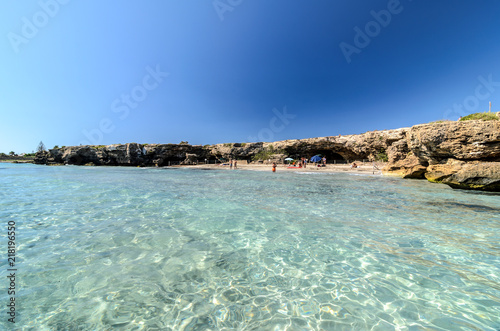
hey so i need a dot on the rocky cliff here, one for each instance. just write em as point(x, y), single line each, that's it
point(463, 154)
point(460, 154)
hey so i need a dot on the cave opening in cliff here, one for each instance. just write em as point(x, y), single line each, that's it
point(331, 156)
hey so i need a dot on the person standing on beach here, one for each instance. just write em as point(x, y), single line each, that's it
point(235, 164)
point(274, 166)
point(231, 164)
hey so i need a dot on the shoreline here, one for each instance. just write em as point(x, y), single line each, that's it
point(17, 161)
point(330, 168)
point(459, 154)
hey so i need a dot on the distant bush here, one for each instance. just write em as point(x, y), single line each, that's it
point(183, 143)
point(266, 153)
point(382, 156)
point(481, 116)
point(56, 147)
point(263, 155)
point(440, 121)
point(243, 144)
point(228, 145)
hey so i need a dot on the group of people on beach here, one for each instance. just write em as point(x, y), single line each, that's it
point(302, 163)
point(230, 164)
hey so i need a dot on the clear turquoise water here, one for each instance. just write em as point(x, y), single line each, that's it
point(104, 248)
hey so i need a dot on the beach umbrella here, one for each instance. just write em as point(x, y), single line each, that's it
point(289, 159)
point(316, 158)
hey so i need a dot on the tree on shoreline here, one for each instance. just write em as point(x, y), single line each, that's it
point(41, 147)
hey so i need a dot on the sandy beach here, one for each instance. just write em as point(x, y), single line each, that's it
point(330, 168)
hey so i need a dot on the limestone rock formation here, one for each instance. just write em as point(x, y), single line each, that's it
point(409, 167)
point(469, 140)
point(463, 154)
point(476, 175)
point(466, 175)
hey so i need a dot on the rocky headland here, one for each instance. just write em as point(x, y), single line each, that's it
point(462, 154)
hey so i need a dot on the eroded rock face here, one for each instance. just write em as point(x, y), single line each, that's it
point(468, 140)
point(439, 172)
point(461, 154)
point(409, 167)
point(483, 176)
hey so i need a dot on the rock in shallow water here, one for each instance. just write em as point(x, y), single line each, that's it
point(484, 176)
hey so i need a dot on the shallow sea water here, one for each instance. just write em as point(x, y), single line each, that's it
point(105, 248)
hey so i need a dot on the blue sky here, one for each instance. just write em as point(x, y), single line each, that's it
point(77, 72)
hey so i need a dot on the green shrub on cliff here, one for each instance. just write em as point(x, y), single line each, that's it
point(481, 116)
point(266, 153)
point(439, 121)
point(382, 156)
